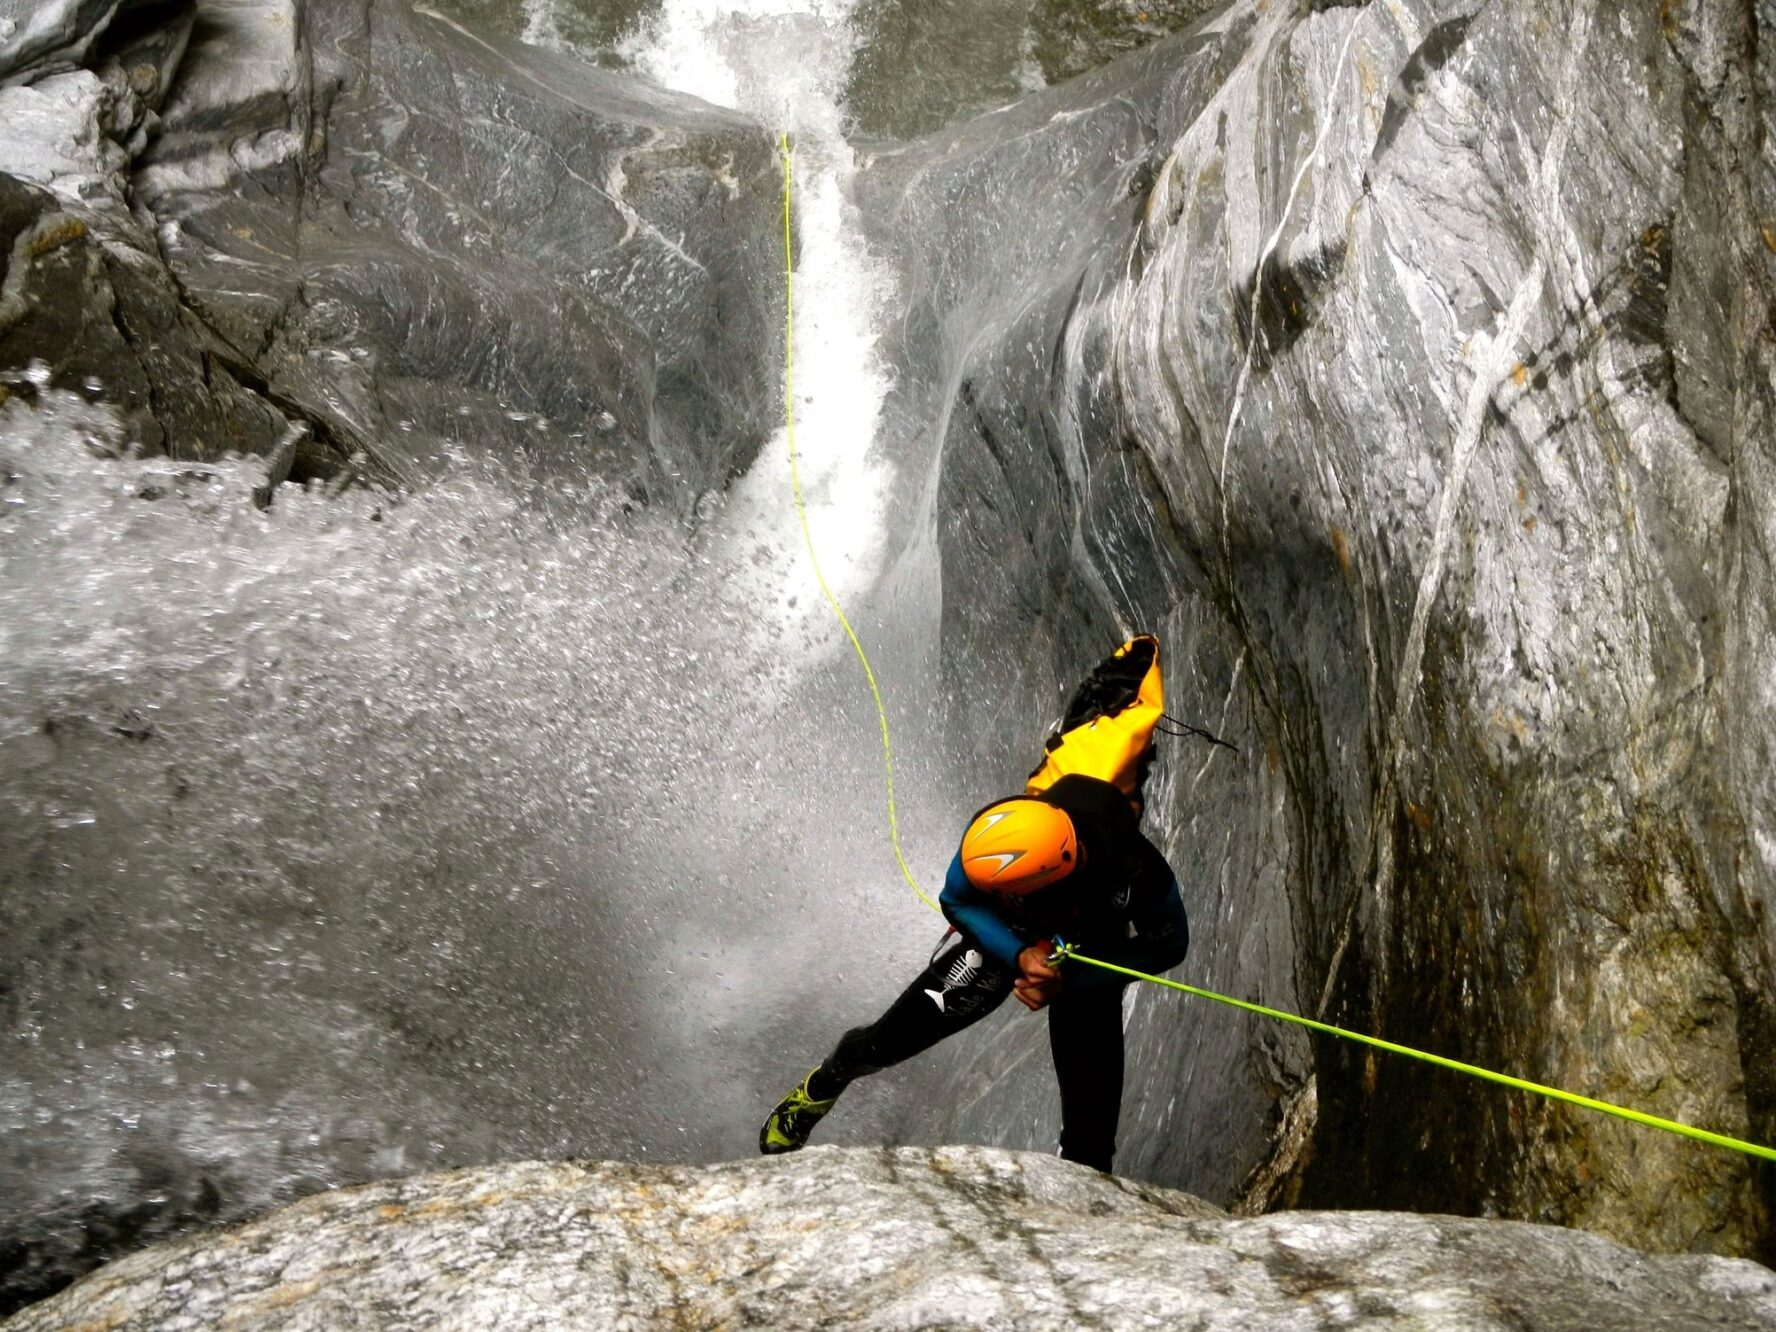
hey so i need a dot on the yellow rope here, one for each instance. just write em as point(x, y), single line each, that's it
point(1473, 1070)
point(795, 481)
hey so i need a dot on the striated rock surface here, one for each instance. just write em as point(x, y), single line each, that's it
point(908, 1238)
point(398, 237)
point(1407, 367)
point(439, 237)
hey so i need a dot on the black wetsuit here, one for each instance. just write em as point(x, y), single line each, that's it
point(1122, 885)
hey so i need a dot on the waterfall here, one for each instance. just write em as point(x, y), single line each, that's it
point(785, 63)
point(360, 835)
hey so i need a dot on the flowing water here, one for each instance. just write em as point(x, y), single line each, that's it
point(784, 62)
point(353, 837)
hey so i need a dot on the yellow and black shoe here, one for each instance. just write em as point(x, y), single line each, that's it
point(788, 1126)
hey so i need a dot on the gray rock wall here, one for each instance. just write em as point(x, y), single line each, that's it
point(1404, 366)
point(37, 38)
point(403, 238)
point(1040, 538)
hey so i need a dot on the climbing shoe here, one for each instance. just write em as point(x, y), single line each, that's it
point(788, 1126)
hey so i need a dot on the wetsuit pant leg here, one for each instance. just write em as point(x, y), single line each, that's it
point(1085, 1038)
point(959, 987)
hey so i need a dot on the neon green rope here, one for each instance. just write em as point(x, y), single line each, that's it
point(1473, 1070)
point(795, 481)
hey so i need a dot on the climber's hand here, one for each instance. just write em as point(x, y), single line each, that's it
point(1038, 982)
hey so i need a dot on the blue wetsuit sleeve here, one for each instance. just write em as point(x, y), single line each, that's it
point(970, 911)
point(1162, 937)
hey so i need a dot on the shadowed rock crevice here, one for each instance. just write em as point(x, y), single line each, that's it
point(1287, 296)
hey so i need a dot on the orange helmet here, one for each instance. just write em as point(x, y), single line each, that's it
point(1018, 846)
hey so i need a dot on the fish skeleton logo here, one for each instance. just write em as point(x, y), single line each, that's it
point(962, 972)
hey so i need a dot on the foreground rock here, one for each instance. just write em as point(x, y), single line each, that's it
point(954, 1237)
point(1408, 368)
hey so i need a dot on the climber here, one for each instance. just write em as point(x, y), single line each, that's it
point(1065, 859)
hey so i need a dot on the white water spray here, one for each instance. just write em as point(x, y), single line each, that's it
point(541, 27)
point(350, 838)
point(785, 62)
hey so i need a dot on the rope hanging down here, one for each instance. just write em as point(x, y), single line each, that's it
point(795, 485)
point(1065, 952)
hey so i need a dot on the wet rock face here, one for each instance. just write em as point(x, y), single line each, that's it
point(909, 1238)
point(93, 307)
point(402, 237)
point(924, 64)
point(1406, 368)
point(1072, 36)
